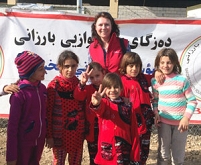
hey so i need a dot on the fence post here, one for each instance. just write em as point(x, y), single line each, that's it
point(114, 4)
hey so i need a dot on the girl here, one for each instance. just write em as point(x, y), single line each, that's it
point(135, 81)
point(27, 121)
point(95, 73)
point(65, 115)
point(174, 104)
point(118, 140)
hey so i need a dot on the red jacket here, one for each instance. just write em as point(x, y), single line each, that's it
point(141, 83)
point(109, 60)
point(82, 94)
point(118, 135)
point(136, 83)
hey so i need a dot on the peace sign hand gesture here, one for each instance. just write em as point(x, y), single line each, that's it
point(85, 76)
point(97, 96)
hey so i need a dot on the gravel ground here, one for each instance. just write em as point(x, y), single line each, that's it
point(193, 148)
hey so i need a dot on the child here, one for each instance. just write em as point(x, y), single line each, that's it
point(174, 104)
point(118, 140)
point(27, 121)
point(95, 73)
point(134, 80)
point(8, 89)
point(65, 115)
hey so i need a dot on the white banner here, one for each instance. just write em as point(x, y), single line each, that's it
point(48, 34)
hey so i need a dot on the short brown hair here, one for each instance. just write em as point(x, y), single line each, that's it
point(129, 58)
point(96, 65)
point(66, 54)
point(112, 79)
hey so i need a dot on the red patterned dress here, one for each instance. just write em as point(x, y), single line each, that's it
point(66, 120)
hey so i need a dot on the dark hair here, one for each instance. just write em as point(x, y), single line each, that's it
point(129, 58)
point(115, 28)
point(97, 66)
point(112, 79)
point(171, 53)
point(66, 54)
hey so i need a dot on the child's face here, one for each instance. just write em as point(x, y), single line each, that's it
point(113, 92)
point(132, 70)
point(165, 65)
point(39, 74)
point(96, 77)
point(69, 68)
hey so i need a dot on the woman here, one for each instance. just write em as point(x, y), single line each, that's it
point(107, 48)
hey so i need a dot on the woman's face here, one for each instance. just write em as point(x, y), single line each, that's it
point(103, 28)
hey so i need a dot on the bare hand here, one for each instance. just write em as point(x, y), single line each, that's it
point(126, 100)
point(183, 124)
point(11, 88)
point(157, 120)
point(12, 162)
point(160, 77)
point(49, 143)
point(85, 76)
point(97, 96)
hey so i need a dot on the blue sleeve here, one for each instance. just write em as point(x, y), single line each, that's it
point(128, 49)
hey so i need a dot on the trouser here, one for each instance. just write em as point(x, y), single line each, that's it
point(171, 143)
point(145, 138)
point(30, 155)
point(144, 146)
point(93, 149)
point(74, 157)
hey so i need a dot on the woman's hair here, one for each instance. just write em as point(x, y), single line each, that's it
point(97, 66)
point(171, 53)
point(112, 80)
point(66, 54)
point(115, 28)
point(129, 58)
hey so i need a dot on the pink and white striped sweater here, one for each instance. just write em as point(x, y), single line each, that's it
point(173, 99)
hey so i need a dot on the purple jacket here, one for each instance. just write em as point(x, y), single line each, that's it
point(27, 121)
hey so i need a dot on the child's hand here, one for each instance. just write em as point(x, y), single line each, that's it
point(126, 100)
point(157, 120)
point(151, 97)
point(159, 76)
point(183, 124)
point(97, 96)
point(12, 162)
point(11, 88)
point(85, 76)
point(49, 143)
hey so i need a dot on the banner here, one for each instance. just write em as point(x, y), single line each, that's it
point(49, 33)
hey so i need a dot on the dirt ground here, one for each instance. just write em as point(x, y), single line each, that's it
point(193, 148)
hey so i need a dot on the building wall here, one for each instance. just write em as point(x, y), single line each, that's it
point(124, 12)
point(129, 12)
